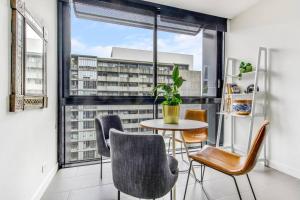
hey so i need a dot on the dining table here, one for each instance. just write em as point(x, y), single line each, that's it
point(179, 128)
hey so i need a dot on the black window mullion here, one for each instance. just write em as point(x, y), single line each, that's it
point(155, 113)
point(220, 63)
point(63, 76)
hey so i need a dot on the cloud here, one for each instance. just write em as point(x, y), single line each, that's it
point(104, 51)
point(141, 43)
point(78, 47)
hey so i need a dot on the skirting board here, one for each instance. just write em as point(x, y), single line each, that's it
point(44, 185)
point(285, 169)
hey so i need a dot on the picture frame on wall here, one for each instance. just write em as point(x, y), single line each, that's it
point(29, 60)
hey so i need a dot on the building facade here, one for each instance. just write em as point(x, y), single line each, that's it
point(117, 76)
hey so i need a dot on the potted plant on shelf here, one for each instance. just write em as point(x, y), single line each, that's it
point(245, 68)
point(172, 98)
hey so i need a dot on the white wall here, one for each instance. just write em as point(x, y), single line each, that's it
point(29, 138)
point(276, 25)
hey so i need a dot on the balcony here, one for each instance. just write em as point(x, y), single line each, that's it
point(108, 69)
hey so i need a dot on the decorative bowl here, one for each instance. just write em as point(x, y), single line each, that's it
point(242, 106)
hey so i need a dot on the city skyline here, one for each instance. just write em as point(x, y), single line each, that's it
point(117, 77)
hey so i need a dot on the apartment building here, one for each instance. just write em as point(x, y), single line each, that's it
point(119, 75)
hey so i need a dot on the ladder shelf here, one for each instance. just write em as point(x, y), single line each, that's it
point(259, 73)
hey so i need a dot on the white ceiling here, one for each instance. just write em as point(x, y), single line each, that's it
point(221, 8)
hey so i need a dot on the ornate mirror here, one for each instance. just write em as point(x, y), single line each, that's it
point(29, 50)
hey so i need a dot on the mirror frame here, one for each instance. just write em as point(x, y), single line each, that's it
point(19, 100)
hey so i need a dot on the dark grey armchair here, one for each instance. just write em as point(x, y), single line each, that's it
point(103, 125)
point(140, 165)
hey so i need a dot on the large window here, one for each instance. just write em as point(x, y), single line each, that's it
point(111, 57)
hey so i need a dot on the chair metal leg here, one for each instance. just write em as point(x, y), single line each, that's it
point(187, 153)
point(202, 172)
point(251, 186)
point(237, 187)
point(188, 177)
point(171, 195)
point(169, 146)
point(181, 152)
point(101, 167)
point(119, 195)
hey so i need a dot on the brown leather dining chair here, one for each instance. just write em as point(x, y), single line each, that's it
point(229, 163)
point(196, 136)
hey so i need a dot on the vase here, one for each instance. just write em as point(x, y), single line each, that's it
point(171, 114)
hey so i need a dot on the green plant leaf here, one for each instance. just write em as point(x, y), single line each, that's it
point(180, 82)
point(175, 74)
point(167, 88)
point(242, 64)
point(177, 96)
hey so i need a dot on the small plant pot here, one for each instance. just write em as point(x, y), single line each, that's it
point(171, 114)
point(242, 107)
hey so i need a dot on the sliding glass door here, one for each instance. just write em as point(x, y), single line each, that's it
point(112, 54)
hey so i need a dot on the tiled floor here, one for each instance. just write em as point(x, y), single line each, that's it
point(83, 183)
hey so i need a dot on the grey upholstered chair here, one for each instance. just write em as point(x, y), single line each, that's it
point(140, 165)
point(103, 125)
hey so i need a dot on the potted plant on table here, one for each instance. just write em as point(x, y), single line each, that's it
point(172, 98)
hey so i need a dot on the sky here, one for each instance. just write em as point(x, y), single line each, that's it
point(96, 38)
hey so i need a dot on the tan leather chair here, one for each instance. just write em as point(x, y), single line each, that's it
point(230, 163)
point(196, 136)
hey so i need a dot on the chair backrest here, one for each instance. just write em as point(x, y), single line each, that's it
point(199, 115)
point(103, 125)
point(139, 164)
point(110, 121)
point(256, 147)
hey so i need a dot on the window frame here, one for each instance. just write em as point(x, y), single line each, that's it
point(64, 66)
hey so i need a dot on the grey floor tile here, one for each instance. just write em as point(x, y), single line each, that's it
point(83, 183)
point(105, 192)
point(73, 183)
point(66, 173)
point(56, 196)
point(194, 192)
point(245, 196)
point(94, 169)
